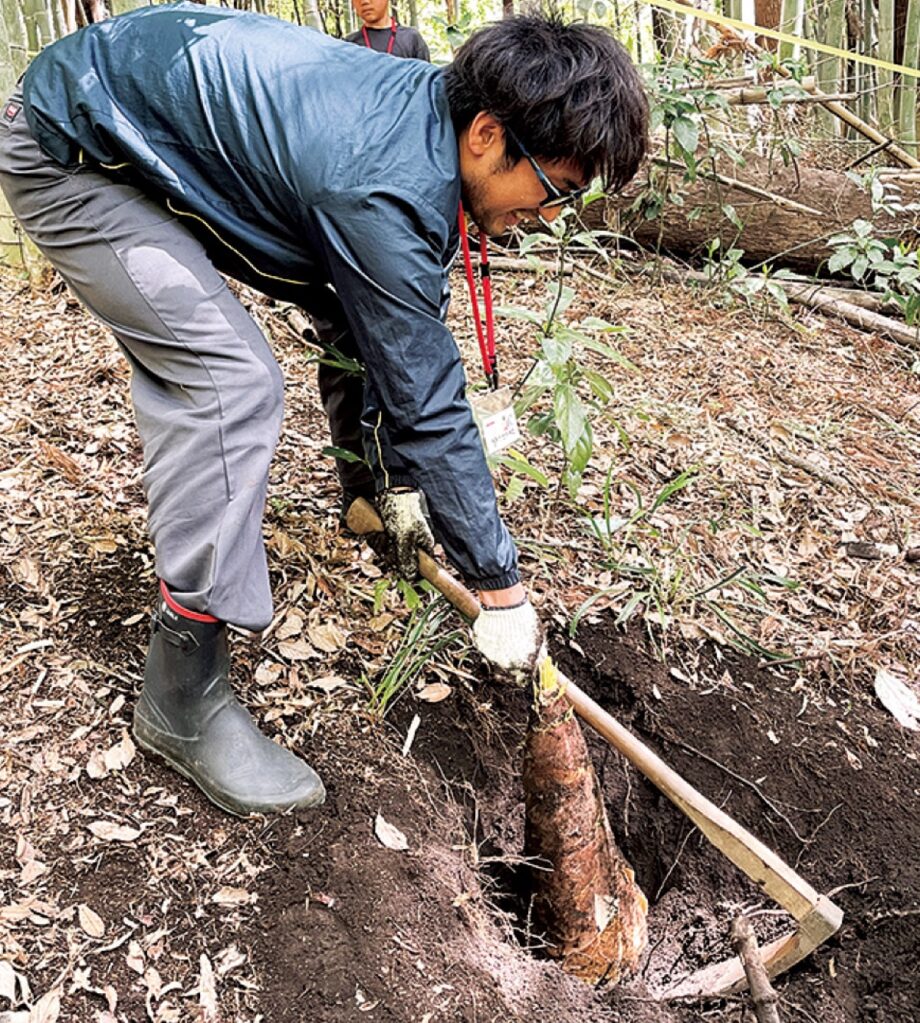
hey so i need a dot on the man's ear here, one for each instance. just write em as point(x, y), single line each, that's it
point(485, 135)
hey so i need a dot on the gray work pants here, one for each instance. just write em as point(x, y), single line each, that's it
point(207, 391)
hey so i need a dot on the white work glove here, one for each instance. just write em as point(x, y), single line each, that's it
point(406, 529)
point(511, 638)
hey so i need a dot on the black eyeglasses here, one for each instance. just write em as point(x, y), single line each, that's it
point(554, 197)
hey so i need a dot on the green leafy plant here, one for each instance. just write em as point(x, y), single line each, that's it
point(881, 264)
point(427, 632)
point(562, 393)
point(725, 266)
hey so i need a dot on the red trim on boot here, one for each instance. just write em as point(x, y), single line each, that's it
point(183, 611)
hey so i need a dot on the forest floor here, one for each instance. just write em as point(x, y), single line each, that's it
point(738, 624)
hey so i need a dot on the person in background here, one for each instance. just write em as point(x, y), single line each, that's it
point(381, 32)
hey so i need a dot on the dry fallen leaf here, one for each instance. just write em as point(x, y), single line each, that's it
point(95, 766)
point(328, 637)
point(328, 683)
point(229, 959)
point(120, 755)
point(31, 871)
point(434, 692)
point(231, 897)
point(898, 698)
point(26, 572)
point(296, 649)
point(291, 626)
point(135, 958)
point(268, 672)
point(111, 832)
point(7, 981)
point(153, 980)
point(389, 835)
point(47, 1008)
point(90, 921)
point(207, 991)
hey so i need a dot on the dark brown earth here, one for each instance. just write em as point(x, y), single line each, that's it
point(313, 918)
point(345, 926)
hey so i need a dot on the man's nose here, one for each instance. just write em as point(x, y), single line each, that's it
point(549, 215)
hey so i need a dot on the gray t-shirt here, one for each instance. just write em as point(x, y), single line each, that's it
point(407, 42)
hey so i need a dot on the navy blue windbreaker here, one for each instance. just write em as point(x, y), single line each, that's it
point(314, 160)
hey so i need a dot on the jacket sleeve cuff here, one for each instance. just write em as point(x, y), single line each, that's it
point(394, 479)
point(497, 582)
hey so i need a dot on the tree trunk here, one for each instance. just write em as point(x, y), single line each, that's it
point(768, 14)
point(666, 30)
point(791, 236)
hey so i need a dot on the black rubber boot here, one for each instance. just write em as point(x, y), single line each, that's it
point(187, 714)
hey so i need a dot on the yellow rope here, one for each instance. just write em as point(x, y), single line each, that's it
point(783, 37)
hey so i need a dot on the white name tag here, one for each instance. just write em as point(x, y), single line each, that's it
point(494, 415)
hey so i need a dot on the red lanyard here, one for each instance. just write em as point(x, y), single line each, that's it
point(367, 41)
point(486, 339)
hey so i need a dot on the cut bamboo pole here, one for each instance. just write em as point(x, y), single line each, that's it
point(761, 94)
point(816, 297)
point(847, 116)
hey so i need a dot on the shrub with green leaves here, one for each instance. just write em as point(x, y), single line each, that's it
point(562, 393)
point(883, 264)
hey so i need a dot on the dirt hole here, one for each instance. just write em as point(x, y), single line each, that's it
point(744, 738)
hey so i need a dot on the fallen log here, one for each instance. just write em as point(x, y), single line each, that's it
point(777, 232)
point(859, 311)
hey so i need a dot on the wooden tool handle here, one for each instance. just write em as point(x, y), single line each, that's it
point(748, 853)
point(362, 518)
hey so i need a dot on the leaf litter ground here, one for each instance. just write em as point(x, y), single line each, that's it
point(763, 599)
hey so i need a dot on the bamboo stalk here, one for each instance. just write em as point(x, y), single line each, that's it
point(907, 118)
point(792, 12)
point(886, 89)
point(865, 75)
point(828, 70)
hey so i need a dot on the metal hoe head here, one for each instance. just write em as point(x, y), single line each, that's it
point(728, 977)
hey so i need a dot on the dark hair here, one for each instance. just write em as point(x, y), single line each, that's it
point(567, 91)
